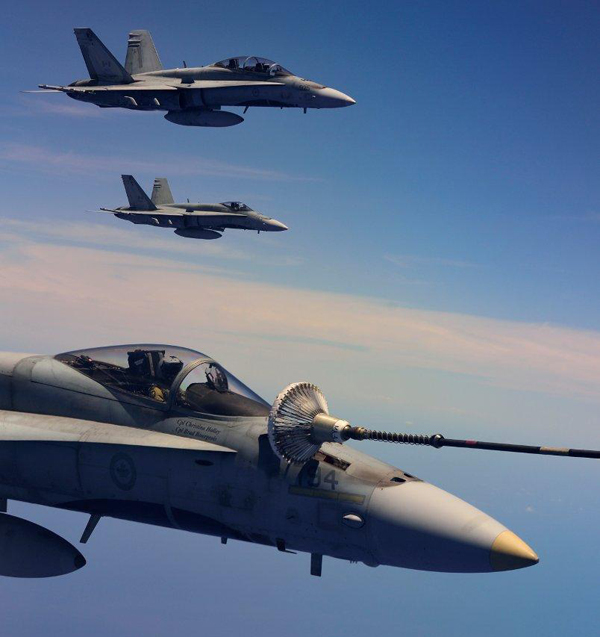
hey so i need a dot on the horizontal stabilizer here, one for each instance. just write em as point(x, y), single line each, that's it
point(101, 63)
point(138, 199)
point(161, 193)
point(141, 54)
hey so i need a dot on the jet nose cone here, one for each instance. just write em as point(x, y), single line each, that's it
point(346, 100)
point(509, 552)
point(277, 226)
point(416, 525)
point(330, 98)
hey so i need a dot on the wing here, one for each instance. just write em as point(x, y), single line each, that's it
point(118, 88)
point(146, 213)
point(151, 86)
point(156, 217)
point(24, 427)
point(204, 84)
point(204, 214)
point(111, 470)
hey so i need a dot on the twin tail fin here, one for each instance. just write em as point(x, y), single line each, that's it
point(138, 199)
point(101, 63)
point(161, 193)
point(141, 54)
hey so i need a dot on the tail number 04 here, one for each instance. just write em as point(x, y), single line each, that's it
point(315, 479)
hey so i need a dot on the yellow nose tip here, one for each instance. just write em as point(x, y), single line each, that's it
point(509, 552)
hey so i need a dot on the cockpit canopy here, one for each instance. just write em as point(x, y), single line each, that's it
point(237, 206)
point(170, 377)
point(254, 65)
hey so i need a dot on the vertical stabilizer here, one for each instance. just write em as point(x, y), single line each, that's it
point(101, 63)
point(161, 193)
point(141, 54)
point(138, 199)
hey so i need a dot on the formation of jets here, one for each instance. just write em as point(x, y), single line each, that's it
point(166, 435)
point(190, 97)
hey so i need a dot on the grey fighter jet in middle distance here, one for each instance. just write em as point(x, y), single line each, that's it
point(191, 96)
point(192, 220)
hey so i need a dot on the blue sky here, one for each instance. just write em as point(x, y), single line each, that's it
point(440, 273)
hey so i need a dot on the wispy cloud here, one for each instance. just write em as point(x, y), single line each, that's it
point(47, 160)
point(591, 215)
point(84, 295)
point(411, 261)
point(44, 104)
point(135, 240)
point(68, 110)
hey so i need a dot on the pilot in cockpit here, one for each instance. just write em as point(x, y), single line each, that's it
point(153, 368)
point(216, 379)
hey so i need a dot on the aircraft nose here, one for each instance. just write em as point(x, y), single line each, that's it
point(416, 525)
point(510, 552)
point(277, 225)
point(331, 98)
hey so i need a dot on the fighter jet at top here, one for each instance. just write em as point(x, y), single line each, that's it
point(192, 220)
point(191, 96)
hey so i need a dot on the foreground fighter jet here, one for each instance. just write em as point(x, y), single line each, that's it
point(192, 220)
point(164, 435)
point(191, 96)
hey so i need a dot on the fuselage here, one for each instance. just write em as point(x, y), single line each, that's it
point(203, 216)
point(342, 503)
point(208, 87)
